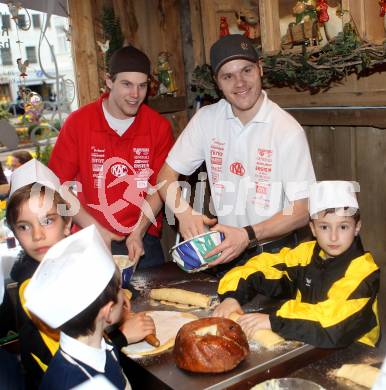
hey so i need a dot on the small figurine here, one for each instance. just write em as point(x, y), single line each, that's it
point(153, 86)
point(299, 8)
point(321, 10)
point(224, 28)
point(165, 75)
point(248, 21)
point(67, 32)
point(14, 9)
point(33, 106)
point(382, 11)
point(104, 46)
point(22, 67)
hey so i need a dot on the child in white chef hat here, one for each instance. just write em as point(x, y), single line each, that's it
point(77, 288)
point(33, 214)
point(329, 285)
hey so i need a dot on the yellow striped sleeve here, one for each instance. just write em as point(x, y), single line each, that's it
point(49, 336)
point(266, 263)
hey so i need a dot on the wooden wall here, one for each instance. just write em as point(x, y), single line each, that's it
point(356, 153)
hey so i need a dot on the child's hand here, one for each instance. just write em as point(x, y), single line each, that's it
point(136, 327)
point(252, 322)
point(226, 307)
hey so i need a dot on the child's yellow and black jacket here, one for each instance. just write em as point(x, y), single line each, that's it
point(331, 301)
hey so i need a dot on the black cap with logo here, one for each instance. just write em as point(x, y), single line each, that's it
point(231, 47)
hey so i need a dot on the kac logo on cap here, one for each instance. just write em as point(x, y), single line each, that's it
point(244, 45)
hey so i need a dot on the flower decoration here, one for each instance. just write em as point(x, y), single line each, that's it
point(3, 208)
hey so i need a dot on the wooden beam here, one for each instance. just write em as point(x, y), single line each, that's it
point(270, 27)
point(369, 117)
point(365, 15)
point(197, 33)
point(84, 49)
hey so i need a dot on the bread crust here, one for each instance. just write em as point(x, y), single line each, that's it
point(220, 350)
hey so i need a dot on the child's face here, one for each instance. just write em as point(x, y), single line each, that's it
point(37, 233)
point(334, 233)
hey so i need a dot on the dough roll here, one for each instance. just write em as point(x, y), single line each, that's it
point(362, 374)
point(181, 296)
point(264, 337)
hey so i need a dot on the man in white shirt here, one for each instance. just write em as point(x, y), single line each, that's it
point(257, 157)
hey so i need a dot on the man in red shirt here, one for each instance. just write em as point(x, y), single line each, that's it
point(114, 148)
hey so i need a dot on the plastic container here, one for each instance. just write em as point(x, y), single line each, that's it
point(127, 268)
point(189, 255)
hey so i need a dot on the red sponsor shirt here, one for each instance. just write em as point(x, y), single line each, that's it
point(86, 142)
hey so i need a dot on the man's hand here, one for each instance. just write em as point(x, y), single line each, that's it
point(235, 242)
point(193, 224)
point(226, 307)
point(134, 245)
point(252, 322)
point(136, 327)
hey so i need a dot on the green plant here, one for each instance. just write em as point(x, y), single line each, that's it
point(112, 31)
point(4, 114)
point(203, 83)
point(57, 124)
point(318, 69)
point(43, 154)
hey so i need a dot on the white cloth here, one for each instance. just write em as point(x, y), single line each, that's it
point(254, 170)
point(380, 383)
point(333, 194)
point(92, 357)
point(8, 257)
point(118, 125)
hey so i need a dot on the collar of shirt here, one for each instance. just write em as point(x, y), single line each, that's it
point(93, 357)
point(262, 115)
point(104, 125)
point(120, 126)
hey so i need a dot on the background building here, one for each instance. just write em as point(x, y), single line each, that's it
point(24, 40)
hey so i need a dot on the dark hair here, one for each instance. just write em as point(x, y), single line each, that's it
point(23, 156)
point(22, 195)
point(356, 215)
point(83, 324)
point(3, 179)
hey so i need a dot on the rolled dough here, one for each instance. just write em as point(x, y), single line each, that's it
point(264, 337)
point(179, 305)
point(167, 324)
point(362, 374)
point(181, 296)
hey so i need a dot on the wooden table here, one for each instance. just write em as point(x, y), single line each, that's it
point(160, 372)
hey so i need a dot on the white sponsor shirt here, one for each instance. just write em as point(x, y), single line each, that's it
point(254, 170)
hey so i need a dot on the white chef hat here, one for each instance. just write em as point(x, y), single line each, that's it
point(73, 273)
point(33, 171)
point(333, 194)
